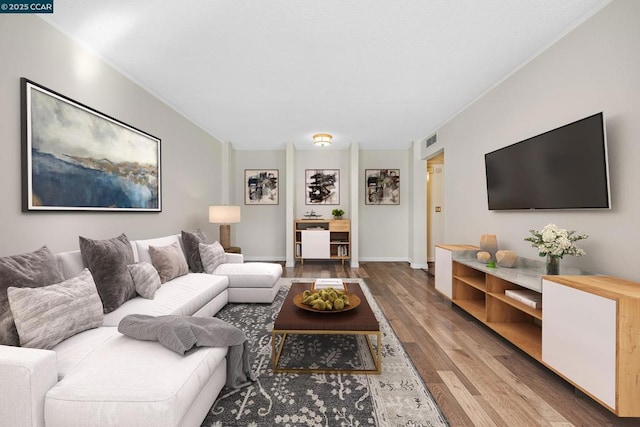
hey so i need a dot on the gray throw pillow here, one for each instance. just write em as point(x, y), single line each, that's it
point(48, 315)
point(146, 279)
point(191, 240)
point(212, 256)
point(34, 269)
point(169, 261)
point(107, 260)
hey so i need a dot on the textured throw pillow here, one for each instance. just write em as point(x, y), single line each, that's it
point(107, 260)
point(48, 315)
point(145, 278)
point(169, 261)
point(32, 270)
point(212, 256)
point(191, 240)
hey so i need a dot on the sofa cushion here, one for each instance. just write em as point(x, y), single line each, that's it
point(34, 269)
point(50, 314)
point(70, 263)
point(169, 261)
point(145, 278)
point(107, 260)
point(250, 274)
point(73, 350)
point(191, 241)
point(184, 296)
point(126, 382)
point(212, 256)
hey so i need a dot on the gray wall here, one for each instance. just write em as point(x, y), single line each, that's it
point(384, 229)
point(319, 159)
point(594, 68)
point(194, 164)
point(190, 158)
point(262, 232)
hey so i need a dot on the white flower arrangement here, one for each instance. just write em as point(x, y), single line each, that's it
point(556, 242)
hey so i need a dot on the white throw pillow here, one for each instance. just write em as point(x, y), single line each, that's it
point(48, 315)
point(146, 279)
point(212, 256)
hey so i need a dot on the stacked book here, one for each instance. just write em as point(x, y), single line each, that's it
point(343, 251)
point(329, 283)
point(529, 298)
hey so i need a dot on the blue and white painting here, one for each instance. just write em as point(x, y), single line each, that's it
point(79, 159)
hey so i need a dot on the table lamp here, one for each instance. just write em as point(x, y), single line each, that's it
point(224, 215)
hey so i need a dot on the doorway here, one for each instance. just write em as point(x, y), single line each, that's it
point(435, 203)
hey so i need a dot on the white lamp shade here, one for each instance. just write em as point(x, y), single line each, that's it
point(223, 214)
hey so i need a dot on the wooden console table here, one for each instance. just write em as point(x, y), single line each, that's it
point(590, 331)
point(322, 239)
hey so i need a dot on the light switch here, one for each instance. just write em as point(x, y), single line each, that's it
point(438, 209)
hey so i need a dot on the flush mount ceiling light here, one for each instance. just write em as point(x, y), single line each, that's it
point(322, 139)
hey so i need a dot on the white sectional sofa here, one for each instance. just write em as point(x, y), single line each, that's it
point(100, 377)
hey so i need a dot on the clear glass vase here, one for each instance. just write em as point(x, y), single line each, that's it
point(553, 265)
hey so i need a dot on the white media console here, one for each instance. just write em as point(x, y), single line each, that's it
point(590, 331)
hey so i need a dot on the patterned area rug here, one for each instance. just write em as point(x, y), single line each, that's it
point(397, 397)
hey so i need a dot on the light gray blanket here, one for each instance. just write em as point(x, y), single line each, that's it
point(182, 333)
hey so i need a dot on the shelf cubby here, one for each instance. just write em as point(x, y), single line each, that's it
point(482, 295)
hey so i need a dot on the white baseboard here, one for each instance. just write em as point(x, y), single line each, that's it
point(418, 266)
point(414, 265)
point(383, 259)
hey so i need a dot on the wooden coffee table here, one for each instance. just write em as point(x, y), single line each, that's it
point(358, 321)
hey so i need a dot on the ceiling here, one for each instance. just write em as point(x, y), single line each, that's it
point(260, 74)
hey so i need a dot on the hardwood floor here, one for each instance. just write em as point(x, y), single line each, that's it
point(476, 377)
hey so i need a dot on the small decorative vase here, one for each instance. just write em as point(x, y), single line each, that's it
point(506, 258)
point(553, 265)
point(489, 243)
point(483, 257)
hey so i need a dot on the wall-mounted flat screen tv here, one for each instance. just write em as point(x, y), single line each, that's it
point(564, 168)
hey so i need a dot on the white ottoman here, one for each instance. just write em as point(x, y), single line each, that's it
point(251, 282)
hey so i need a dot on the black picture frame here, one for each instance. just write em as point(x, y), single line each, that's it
point(322, 186)
point(382, 186)
point(261, 186)
point(75, 158)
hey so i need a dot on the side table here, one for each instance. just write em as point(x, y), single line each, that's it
point(233, 250)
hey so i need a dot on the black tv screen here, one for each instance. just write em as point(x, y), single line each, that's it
point(565, 168)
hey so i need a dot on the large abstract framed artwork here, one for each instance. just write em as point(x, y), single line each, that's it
point(383, 186)
point(77, 159)
point(322, 186)
point(261, 187)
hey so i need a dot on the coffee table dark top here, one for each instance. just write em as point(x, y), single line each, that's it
point(291, 317)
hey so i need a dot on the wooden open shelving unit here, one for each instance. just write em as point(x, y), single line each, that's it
point(482, 296)
point(336, 246)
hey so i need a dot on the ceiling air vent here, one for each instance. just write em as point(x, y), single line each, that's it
point(432, 139)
